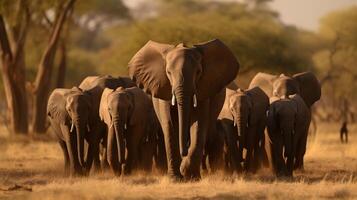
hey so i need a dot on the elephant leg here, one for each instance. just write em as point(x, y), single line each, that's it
point(215, 151)
point(166, 116)
point(160, 153)
point(263, 154)
point(66, 157)
point(234, 153)
point(112, 153)
point(249, 160)
point(93, 140)
point(75, 168)
point(300, 153)
point(190, 165)
point(103, 160)
point(280, 167)
point(133, 139)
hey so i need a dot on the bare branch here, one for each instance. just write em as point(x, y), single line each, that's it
point(4, 40)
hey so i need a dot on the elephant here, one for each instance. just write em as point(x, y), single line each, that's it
point(305, 84)
point(243, 120)
point(288, 124)
point(94, 87)
point(127, 113)
point(184, 83)
point(68, 112)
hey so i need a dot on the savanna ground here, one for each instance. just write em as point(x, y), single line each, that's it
point(32, 168)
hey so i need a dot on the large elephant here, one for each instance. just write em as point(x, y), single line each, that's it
point(68, 111)
point(184, 82)
point(305, 84)
point(243, 119)
point(127, 114)
point(288, 123)
point(94, 87)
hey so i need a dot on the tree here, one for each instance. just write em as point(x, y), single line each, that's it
point(13, 63)
point(13, 66)
point(336, 63)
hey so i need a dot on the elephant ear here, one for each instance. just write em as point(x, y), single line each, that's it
point(310, 88)
point(219, 68)
point(56, 107)
point(148, 69)
point(264, 81)
point(103, 107)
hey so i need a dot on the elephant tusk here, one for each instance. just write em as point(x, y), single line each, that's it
point(125, 127)
point(173, 100)
point(234, 123)
point(88, 128)
point(72, 128)
point(194, 101)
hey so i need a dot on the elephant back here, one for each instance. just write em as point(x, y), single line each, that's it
point(264, 81)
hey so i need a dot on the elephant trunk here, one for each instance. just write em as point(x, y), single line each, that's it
point(241, 130)
point(80, 131)
point(184, 107)
point(119, 134)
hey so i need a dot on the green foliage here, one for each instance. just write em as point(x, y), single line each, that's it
point(257, 38)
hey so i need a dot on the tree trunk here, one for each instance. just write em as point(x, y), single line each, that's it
point(43, 78)
point(61, 75)
point(13, 75)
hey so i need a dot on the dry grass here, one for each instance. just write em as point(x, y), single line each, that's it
point(32, 169)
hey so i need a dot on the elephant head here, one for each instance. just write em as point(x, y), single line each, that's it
point(240, 105)
point(284, 86)
point(186, 75)
point(116, 109)
point(305, 84)
point(73, 109)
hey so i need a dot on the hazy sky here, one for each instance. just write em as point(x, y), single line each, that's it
point(306, 13)
point(303, 13)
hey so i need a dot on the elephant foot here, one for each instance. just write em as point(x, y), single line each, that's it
point(175, 178)
point(189, 171)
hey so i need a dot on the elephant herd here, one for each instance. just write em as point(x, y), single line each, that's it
point(179, 112)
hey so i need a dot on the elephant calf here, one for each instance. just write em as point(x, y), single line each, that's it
point(288, 125)
point(127, 112)
point(243, 119)
point(63, 109)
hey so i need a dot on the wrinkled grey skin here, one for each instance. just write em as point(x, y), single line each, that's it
point(288, 123)
point(94, 86)
point(127, 114)
point(243, 119)
point(68, 111)
point(305, 84)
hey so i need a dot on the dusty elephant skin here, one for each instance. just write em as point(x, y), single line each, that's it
point(243, 120)
point(128, 115)
point(305, 84)
point(288, 124)
point(184, 82)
